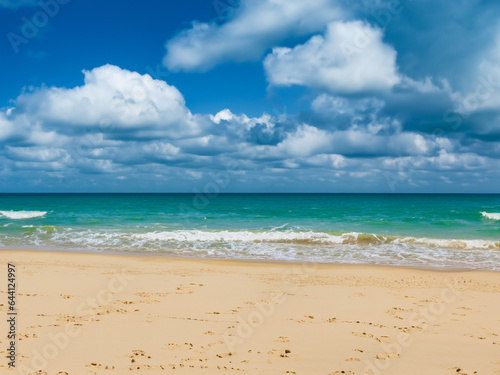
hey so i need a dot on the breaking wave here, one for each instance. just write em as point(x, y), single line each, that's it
point(491, 215)
point(310, 238)
point(16, 215)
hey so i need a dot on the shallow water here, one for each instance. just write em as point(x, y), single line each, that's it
point(443, 231)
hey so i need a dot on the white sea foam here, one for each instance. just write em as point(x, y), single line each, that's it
point(310, 238)
point(491, 215)
point(451, 243)
point(16, 215)
point(284, 245)
point(243, 236)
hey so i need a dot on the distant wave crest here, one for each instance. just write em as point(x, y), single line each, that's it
point(491, 215)
point(16, 215)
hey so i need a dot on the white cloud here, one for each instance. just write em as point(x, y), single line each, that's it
point(256, 26)
point(227, 118)
point(161, 151)
point(425, 86)
point(100, 166)
point(6, 128)
point(445, 160)
point(224, 115)
point(325, 161)
point(112, 97)
point(350, 57)
point(161, 148)
point(363, 142)
point(41, 154)
point(335, 105)
point(306, 141)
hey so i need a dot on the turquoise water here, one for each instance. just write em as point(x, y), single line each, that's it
point(443, 231)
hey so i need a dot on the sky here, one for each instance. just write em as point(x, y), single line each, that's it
point(221, 96)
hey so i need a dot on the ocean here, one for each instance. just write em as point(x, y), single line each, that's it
point(417, 230)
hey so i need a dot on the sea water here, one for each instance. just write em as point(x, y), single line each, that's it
point(423, 230)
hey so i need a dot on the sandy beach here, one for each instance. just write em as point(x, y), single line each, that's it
point(105, 314)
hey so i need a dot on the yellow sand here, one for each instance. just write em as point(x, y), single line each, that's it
point(101, 314)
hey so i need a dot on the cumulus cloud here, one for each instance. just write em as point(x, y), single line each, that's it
point(350, 57)
point(111, 97)
point(305, 141)
point(255, 26)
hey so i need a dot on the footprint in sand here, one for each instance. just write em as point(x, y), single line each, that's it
point(224, 355)
point(282, 339)
point(95, 365)
point(362, 334)
point(460, 371)
point(386, 355)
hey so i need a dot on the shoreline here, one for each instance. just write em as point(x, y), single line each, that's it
point(108, 314)
point(245, 261)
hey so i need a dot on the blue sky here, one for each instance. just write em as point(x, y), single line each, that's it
point(249, 96)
